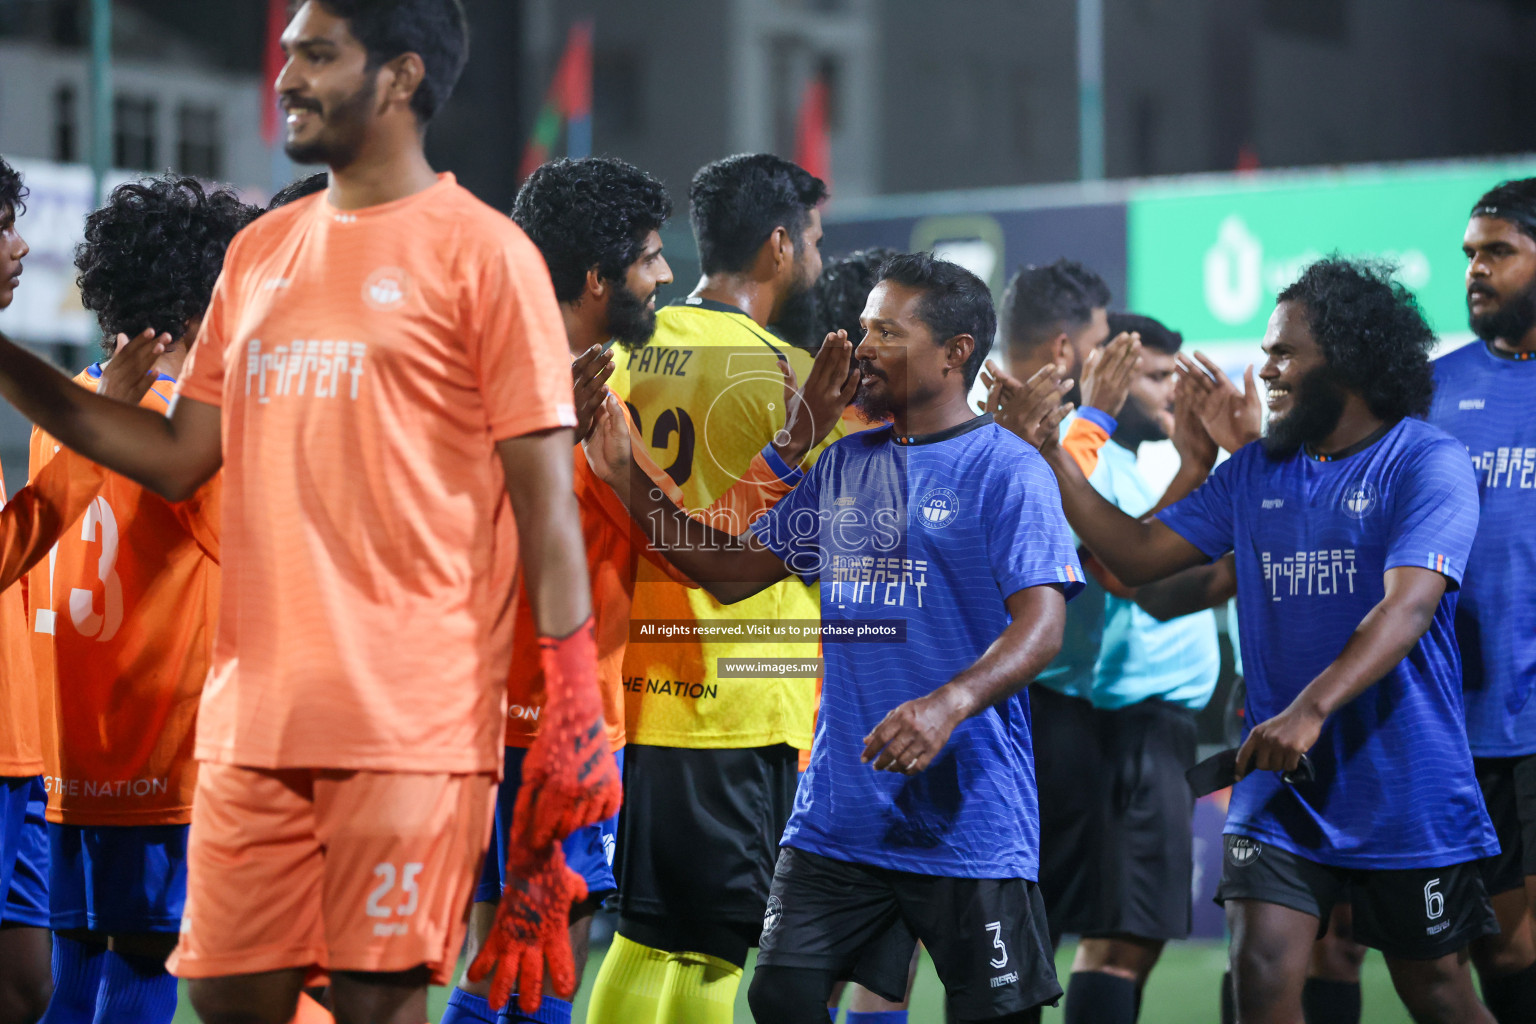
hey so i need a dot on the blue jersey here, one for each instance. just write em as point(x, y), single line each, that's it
point(1395, 786)
point(1484, 400)
point(931, 537)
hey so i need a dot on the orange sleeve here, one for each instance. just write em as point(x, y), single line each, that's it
point(516, 340)
point(202, 375)
point(37, 516)
point(1082, 442)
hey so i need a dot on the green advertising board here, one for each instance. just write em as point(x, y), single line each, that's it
point(1208, 257)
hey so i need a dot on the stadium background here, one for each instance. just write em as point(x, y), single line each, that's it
point(1194, 152)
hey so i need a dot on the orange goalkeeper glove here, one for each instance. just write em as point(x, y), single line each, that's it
point(531, 932)
point(569, 776)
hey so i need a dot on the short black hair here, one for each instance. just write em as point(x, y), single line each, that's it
point(593, 212)
point(152, 253)
point(435, 30)
point(298, 188)
point(1513, 200)
point(955, 301)
point(736, 203)
point(1041, 301)
point(1371, 331)
point(843, 289)
point(1154, 333)
point(13, 193)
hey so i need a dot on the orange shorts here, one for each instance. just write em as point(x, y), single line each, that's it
point(330, 870)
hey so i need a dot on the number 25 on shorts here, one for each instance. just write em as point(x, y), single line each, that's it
point(405, 899)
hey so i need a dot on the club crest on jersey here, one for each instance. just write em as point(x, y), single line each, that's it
point(386, 288)
point(772, 915)
point(938, 508)
point(1360, 500)
point(1242, 851)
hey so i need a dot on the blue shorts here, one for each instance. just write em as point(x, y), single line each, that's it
point(588, 851)
point(118, 879)
point(23, 852)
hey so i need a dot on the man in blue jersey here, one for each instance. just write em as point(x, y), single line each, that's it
point(1483, 398)
point(945, 564)
point(1351, 524)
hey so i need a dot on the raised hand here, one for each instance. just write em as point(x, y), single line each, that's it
point(531, 932)
point(130, 373)
point(608, 443)
point(1233, 418)
point(1000, 386)
point(1108, 372)
point(1032, 410)
point(1196, 448)
point(589, 375)
point(810, 412)
point(569, 776)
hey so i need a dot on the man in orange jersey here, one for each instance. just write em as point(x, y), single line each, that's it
point(24, 987)
point(122, 618)
point(596, 221)
point(382, 376)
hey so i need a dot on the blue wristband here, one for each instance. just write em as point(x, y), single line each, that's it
point(1099, 418)
point(784, 471)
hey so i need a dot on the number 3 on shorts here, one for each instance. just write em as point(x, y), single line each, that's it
point(384, 871)
point(1434, 900)
point(996, 928)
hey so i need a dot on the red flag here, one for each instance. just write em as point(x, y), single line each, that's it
point(568, 102)
point(813, 140)
point(272, 66)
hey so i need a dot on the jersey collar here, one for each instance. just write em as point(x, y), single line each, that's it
point(1511, 357)
point(1359, 446)
point(907, 440)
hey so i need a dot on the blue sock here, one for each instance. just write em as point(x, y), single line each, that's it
point(878, 1017)
point(467, 1008)
point(135, 990)
point(76, 981)
point(832, 1014)
point(551, 1011)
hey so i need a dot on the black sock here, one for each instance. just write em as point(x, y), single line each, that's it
point(1512, 997)
point(1330, 1002)
point(1228, 1000)
point(1094, 997)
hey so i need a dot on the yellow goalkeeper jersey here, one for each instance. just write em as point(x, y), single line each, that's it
point(707, 395)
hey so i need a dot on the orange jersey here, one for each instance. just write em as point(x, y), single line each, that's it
point(366, 362)
point(614, 546)
point(21, 739)
point(123, 613)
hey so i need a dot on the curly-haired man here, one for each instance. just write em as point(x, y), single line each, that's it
point(123, 614)
point(1351, 521)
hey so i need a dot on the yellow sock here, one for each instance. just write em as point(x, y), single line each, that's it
point(699, 990)
point(629, 985)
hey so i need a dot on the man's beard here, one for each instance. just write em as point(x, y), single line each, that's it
point(1317, 402)
point(1515, 316)
point(1138, 427)
point(796, 322)
point(341, 131)
point(873, 406)
point(631, 320)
